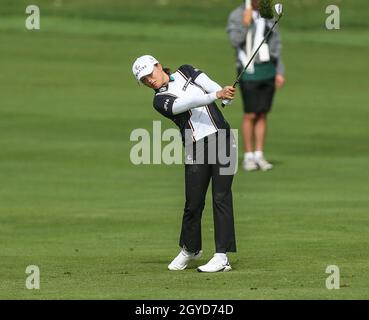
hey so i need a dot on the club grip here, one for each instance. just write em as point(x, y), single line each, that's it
point(226, 102)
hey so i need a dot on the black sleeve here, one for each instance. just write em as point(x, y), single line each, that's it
point(164, 104)
point(190, 71)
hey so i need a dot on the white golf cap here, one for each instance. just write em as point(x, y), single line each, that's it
point(143, 66)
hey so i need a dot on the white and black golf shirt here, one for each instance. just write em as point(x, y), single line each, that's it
point(203, 120)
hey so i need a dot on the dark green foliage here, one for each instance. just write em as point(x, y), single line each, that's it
point(266, 9)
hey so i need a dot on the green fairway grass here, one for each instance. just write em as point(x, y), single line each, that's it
point(99, 227)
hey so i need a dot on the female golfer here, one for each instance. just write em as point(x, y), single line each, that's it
point(187, 97)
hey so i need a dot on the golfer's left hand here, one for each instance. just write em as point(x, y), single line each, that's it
point(279, 81)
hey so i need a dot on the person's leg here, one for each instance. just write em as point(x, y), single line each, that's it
point(266, 93)
point(260, 131)
point(224, 230)
point(248, 125)
point(250, 100)
point(197, 178)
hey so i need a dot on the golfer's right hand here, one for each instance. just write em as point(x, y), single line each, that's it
point(227, 93)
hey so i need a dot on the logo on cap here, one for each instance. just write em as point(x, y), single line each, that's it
point(143, 66)
point(139, 69)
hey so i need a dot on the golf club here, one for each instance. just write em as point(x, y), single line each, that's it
point(265, 13)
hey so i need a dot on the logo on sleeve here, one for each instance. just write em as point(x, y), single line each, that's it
point(166, 105)
point(186, 84)
point(163, 89)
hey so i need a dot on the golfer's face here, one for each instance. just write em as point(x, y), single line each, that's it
point(155, 79)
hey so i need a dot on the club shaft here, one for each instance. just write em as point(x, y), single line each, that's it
point(255, 53)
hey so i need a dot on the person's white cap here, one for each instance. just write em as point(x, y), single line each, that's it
point(143, 66)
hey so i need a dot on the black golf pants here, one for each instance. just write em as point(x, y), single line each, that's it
point(197, 179)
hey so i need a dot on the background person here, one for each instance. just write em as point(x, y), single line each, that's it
point(246, 29)
point(187, 97)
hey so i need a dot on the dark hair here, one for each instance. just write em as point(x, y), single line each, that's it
point(167, 71)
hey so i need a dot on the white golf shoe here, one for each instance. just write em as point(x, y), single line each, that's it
point(181, 261)
point(216, 264)
point(249, 165)
point(263, 164)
